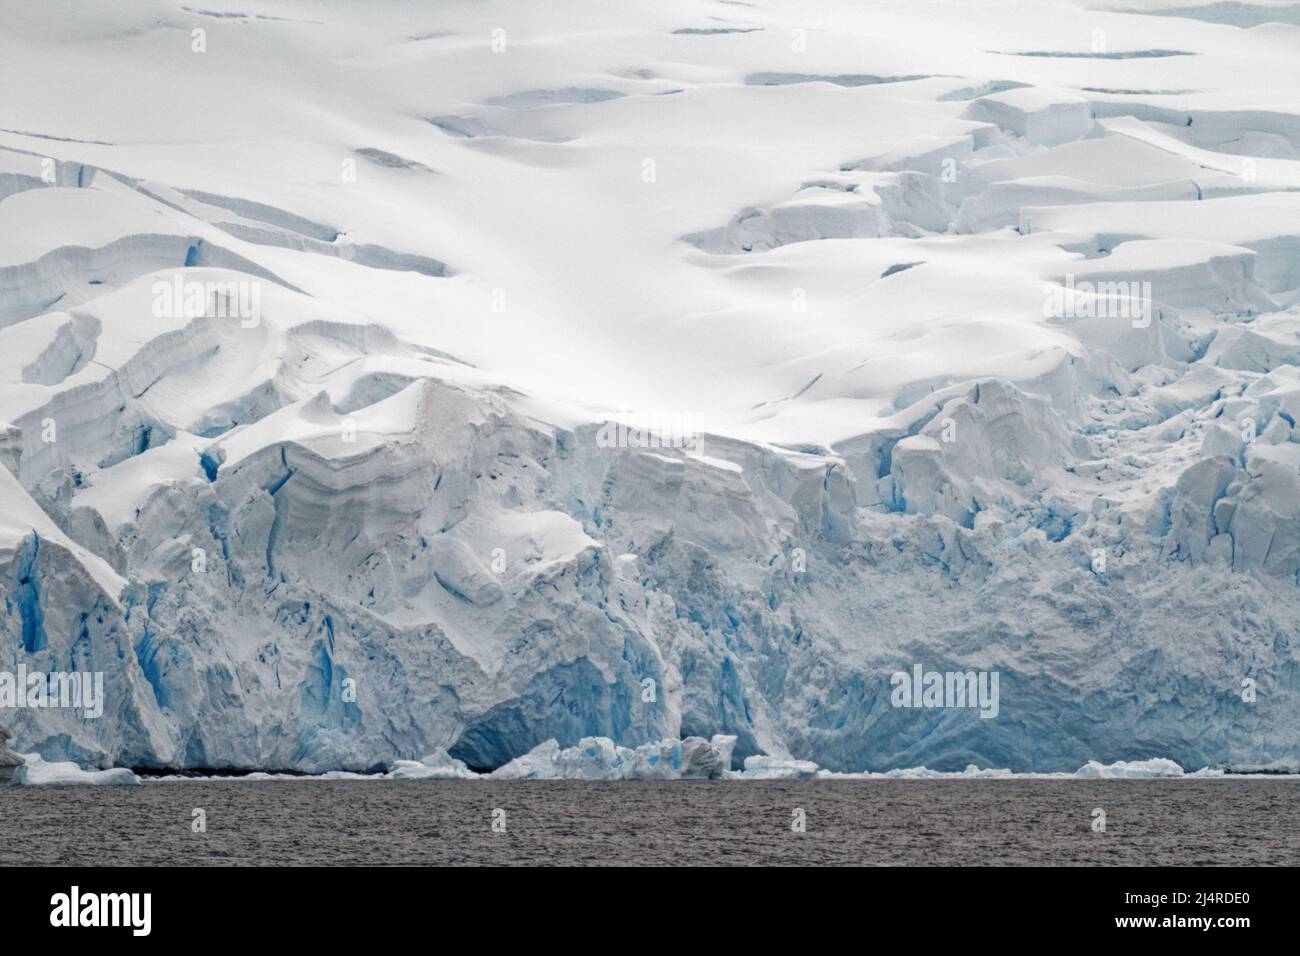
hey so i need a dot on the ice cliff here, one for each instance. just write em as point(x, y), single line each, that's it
point(639, 382)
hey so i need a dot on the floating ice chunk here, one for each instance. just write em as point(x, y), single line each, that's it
point(707, 759)
point(723, 745)
point(438, 765)
point(972, 772)
point(776, 768)
point(599, 758)
point(700, 761)
point(595, 758)
point(38, 773)
point(538, 764)
point(656, 760)
point(1129, 770)
point(273, 777)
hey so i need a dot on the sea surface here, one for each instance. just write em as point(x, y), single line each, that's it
point(859, 823)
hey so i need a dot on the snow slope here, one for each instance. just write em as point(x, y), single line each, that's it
point(671, 370)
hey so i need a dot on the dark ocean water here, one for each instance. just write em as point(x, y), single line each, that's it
point(869, 822)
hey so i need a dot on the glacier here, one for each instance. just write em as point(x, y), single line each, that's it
point(600, 759)
point(864, 260)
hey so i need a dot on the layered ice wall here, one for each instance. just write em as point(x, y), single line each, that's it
point(374, 384)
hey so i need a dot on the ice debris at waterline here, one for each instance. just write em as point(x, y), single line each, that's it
point(599, 758)
point(438, 765)
point(1129, 769)
point(650, 384)
point(1155, 769)
point(35, 772)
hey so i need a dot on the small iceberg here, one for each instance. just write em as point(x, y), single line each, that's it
point(438, 765)
point(762, 767)
point(1129, 770)
point(1154, 769)
point(599, 758)
point(36, 772)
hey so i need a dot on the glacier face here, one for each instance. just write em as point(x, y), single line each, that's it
point(658, 384)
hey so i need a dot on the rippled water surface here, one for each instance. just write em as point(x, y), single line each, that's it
point(940, 822)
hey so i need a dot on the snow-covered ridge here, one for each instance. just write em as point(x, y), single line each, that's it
point(312, 322)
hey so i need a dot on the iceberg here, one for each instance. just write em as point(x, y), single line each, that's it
point(599, 758)
point(36, 772)
point(656, 760)
point(763, 767)
point(438, 765)
point(1130, 770)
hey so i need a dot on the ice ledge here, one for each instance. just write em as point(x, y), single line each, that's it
point(600, 759)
